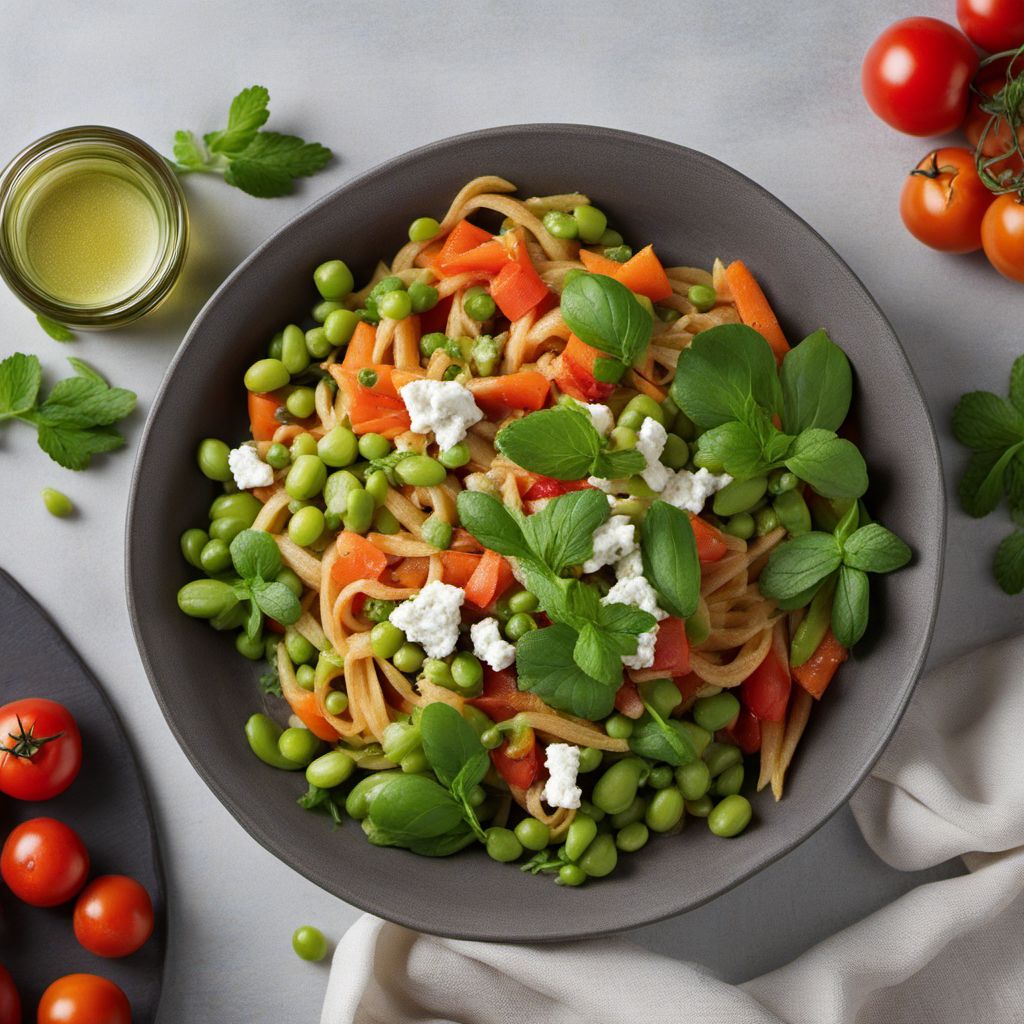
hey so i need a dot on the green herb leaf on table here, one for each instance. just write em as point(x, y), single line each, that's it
point(1008, 565)
point(247, 114)
point(83, 369)
point(606, 315)
point(55, 330)
point(873, 548)
point(20, 379)
point(669, 551)
point(188, 154)
point(981, 486)
point(1017, 384)
point(800, 564)
point(985, 422)
point(817, 385)
point(850, 606)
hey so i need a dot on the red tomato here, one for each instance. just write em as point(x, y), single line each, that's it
point(521, 772)
point(765, 692)
point(84, 999)
point(710, 546)
point(1002, 236)
point(997, 138)
point(41, 749)
point(671, 649)
point(113, 916)
point(10, 1001)
point(995, 25)
point(944, 200)
point(916, 76)
point(44, 862)
point(546, 487)
point(745, 732)
point(627, 700)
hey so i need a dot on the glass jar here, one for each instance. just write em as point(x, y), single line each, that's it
point(93, 227)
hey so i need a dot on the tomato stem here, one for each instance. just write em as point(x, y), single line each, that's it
point(1006, 105)
point(26, 743)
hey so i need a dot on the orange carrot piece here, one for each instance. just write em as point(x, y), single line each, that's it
point(525, 389)
point(360, 347)
point(262, 420)
point(645, 275)
point(304, 706)
point(598, 264)
point(492, 577)
point(754, 308)
point(358, 559)
point(411, 572)
point(489, 257)
point(816, 673)
point(458, 567)
point(463, 237)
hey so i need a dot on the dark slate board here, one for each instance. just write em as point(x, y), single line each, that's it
point(107, 805)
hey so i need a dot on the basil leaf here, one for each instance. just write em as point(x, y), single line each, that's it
point(873, 548)
point(450, 744)
point(850, 606)
point(560, 443)
point(316, 799)
point(801, 600)
point(723, 368)
point(846, 526)
point(254, 553)
point(491, 523)
point(981, 486)
point(606, 315)
point(277, 601)
point(562, 533)
point(1017, 384)
point(661, 740)
point(437, 846)
point(799, 564)
point(984, 422)
point(669, 551)
point(735, 447)
point(1008, 564)
point(817, 385)
point(414, 807)
point(831, 465)
point(545, 666)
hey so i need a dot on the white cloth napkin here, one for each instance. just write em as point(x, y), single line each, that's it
point(951, 783)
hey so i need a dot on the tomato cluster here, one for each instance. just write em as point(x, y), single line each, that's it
point(924, 77)
point(45, 864)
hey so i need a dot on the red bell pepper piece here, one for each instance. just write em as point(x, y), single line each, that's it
point(517, 289)
point(547, 487)
point(262, 415)
point(358, 559)
point(671, 652)
point(710, 546)
point(576, 372)
point(520, 772)
point(765, 692)
point(502, 699)
point(745, 732)
point(525, 389)
point(816, 673)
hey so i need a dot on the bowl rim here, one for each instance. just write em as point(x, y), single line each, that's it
point(133, 524)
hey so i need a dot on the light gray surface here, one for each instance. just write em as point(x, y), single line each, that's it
point(771, 89)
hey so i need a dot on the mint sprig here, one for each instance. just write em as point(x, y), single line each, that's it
point(264, 164)
point(55, 330)
point(257, 561)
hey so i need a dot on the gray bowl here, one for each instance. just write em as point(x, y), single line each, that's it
point(694, 208)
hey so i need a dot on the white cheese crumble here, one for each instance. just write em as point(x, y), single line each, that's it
point(444, 407)
point(431, 619)
point(489, 646)
point(644, 657)
point(612, 540)
point(651, 443)
point(562, 761)
point(601, 484)
point(636, 591)
point(689, 491)
point(248, 469)
point(631, 565)
point(601, 417)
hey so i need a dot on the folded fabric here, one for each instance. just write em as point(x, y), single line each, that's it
point(951, 783)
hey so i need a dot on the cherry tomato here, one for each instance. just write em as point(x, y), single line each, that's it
point(765, 692)
point(10, 1001)
point(916, 76)
point(44, 862)
point(113, 916)
point(995, 25)
point(997, 138)
point(40, 749)
point(1002, 236)
point(84, 999)
point(944, 200)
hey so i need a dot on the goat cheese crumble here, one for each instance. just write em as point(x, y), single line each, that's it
point(644, 657)
point(431, 619)
point(489, 646)
point(613, 540)
point(650, 443)
point(562, 761)
point(689, 491)
point(630, 565)
point(601, 417)
point(248, 469)
point(443, 407)
point(636, 591)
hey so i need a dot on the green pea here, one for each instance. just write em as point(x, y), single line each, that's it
point(633, 837)
point(306, 478)
point(519, 625)
point(590, 759)
point(423, 229)
point(676, 452)
point(717, 712)
point(740, 496)
point(741, 525)
point(336, 490)
point(431, 342)
point(359, 511)
point(600, 858)
point(522, 601)
point(616, 789)
point(766, 520)
point(333, 280)
point(338, 447)
point(249, 647)
point(362, 794)
point(580, 835)
point(730, 816)
point(340, 325)
point(192, 543)
point(263, 734)
point(278, 456)
point(623, 439)
point(420, 471)
point(646, 406)
point(702, 296)
point(305, 676)
point(301, 403)
point(215, 557)
point(306, 526)
point(377, 610)
point(610, 238)
point(533, 834)
point(570, 874)
point(408, 658)
point(385, 522)
point(503, 846)
point(491, 738)
point(227, 528)
point(395, 305)
point(336, 702)
point(663, 695)
point(793, 512)
point(634, 812)
point(619, 253)
point(478, 304)
point(455, 457)
point(318, 345)
point(422, 297)
point(619, 727)
point(665, 810)
point(302, 444)
point(660, 777)
point(720, 756)
point(377, 486)
point(290, 580)
point(591, 223)
point(298, 745)
point(439, 673)
point(322, 310)
point(266, 375)
point(561, 225)
point(781, 480)
point(700, 808)
point(437, 532)
point(299, 649)
point(275, 346)
point(693, 780)
point(467, 672)
point(212, 456)
point(374, 446)
point(309, 943)
point(294, 354)
point(699, 738)
point(730, 781)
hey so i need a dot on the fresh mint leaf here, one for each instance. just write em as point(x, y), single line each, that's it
point(1008, 564)
point(850, 606)
point(848, 524)
point(722, 370)
point(831, 465)
point(873, 548)
point(817, 385)
point(188, 154)
point(740, 447)
point(599, 654)
point(450, 745)
point(985, 422)
point(613, 465)
point(981, 486)
point(606, 315)
point(661, 740)
point(85, 402)
point(562, 533)
point(83, 369)
point(72, 447)
point(55, 330)
point(20, 377)
point(254, 620)
point(799, 564)
point(270, 681)
point(268, 165)
point(491, 523)
point(624, 620)
point(254, 554)
point(669, 551)
point(1017, 384)
point(247, 114)
point(560, 443)
point(414, 807)
point(545, 666)
point(316, 799)
point(277, 601)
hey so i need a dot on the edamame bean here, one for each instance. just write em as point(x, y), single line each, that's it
point(580, 835)
point(571, 874)
point(730, 781)
point(438, 672)
point(299, 649)
point(623, 439)
point(502, 845)
point(301, 403)
point(275, 346)
point(781, 480)
point(634, 812)
point(415, 763)
point(720, 756)
point(322, 310)
point(478, 304)
point(338, 447)
point(305, 676)
point(359, 511)
point(318, 345)
point(266, 375)
point(227, 528)
point(632, 838)
point(192, 543)
point(249, 647)
point(647, 407)
point(340, 325)
point(665, 810)
point(730, 816)
point(241, 505)
point(610, 238)
point(306, 478)
point(399, 739)
point(467, 672)
point(533, 834)
point(591, 223)
point(660, 777)
point(298, 745)
point(408, 658)
point(676, 452)
point(600, 858)
point(699, 738)
point(813, 627)
point(616, 789)
point(663, 695)
point(278, 456)
point(714, 713)
point(337, 488)
point(519, 625)
point(422, 296)
point(793, 512)
point(704, 460)
point(385, 522)
point(302, 444)
point(263, 734)
point(766, 520)
point(741, 525)
point(377, 486)
point(333, 280)
point(375, 446)
point(590, 759)
point(619, 253)
point(231, 619)
point(290, 580)
point(455, 457)
point(306, 526)
point(700, 808)
point(423, 229)
point(420, 471)
point(57, 503)
point(212, 456)
point(702, 296)
point(522, 601)
point(362, 794)
point(437, 532)
point(619, 727)
point(395, 305)
point(693, 780)
point(740, 496)
point(560, 224)
point(215, 557)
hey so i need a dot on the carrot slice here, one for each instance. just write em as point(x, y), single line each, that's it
point(491, 578)
point(360, 347)
point(526, 389)
point(463, 237)
point(304, 706)
point(262, 419)
point(710, 546)
point(754, 308)
point(358, 559)
point(598, 264)
point(489, 258)
point(458, 567)
point(411, 572)
point(645, 275)
point(816, 673)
